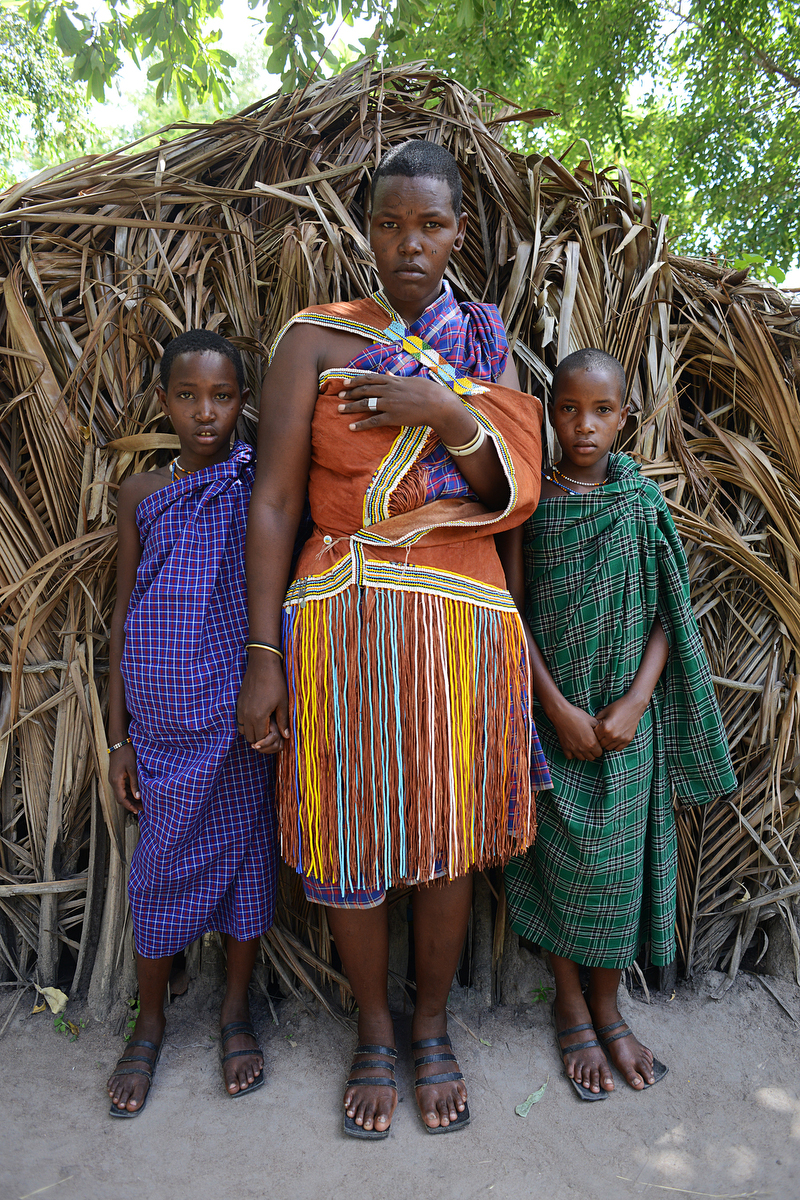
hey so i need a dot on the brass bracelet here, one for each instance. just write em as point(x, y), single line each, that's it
point(263, 646)
point(469, 447)
point(118, 745)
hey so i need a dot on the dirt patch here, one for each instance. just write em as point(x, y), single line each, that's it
point(724, 1122)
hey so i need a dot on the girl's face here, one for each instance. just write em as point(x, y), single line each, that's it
point(203, 402)
point(413, 231)
point(587, 413)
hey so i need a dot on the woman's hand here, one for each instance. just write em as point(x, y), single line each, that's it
point(617, 723)
point(262, 710)
point(123, 779)
point(407, 401)
point(577, 732)
point(417, 401)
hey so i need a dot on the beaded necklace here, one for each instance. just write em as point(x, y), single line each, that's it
point(550, 479)
point(571, 491)
point(176, 466)
point(579, 482)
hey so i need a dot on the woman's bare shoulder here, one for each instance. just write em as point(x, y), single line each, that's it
point(317, 348)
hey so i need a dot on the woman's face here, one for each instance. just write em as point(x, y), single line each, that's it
point(413, 231)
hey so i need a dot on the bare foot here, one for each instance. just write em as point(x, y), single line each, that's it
point(588, 1067)
point(439, 1103)
point(633, 1060)
point(372, 1106)
point(128, 1088)
point(242, 1071)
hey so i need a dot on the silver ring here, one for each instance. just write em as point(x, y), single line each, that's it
point(372, 404)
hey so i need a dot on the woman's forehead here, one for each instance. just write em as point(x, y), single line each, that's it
point(414, 190)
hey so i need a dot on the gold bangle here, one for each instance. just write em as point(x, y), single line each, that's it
point(470, 447)
point(263, 646)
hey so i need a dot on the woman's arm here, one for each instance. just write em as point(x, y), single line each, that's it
point(288, 397)
point(122, 762)
point(419, 401)
point(618, 721)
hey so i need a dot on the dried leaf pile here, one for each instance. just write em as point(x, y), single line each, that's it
point(235, 226)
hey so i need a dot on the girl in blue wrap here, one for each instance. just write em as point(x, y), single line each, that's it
point(206, 856)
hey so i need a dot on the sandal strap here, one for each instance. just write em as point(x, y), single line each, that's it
point(371, 1081)
point(608, 1028)
point(615, 1036)
point(372, 1062)
point(427, 1080)
point(133, 1071)
point(235, 1029)
point(240, 1053)
point(429, 1058)
point(575, 1029)
point(368, 1048)
point(579, 1046)
point(147, 1045)
point(427, 1042)
point(135, 1058)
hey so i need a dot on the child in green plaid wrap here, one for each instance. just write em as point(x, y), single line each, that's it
point(626, 712)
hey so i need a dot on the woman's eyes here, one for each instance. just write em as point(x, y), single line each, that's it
point(394, 225)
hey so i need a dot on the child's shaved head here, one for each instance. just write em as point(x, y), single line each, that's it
point(594, 361)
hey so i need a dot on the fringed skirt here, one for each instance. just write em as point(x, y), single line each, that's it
point(412, 752)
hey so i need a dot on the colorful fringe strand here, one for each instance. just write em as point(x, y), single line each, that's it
point(411, 741)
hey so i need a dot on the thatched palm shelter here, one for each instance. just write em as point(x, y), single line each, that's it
point(235, 226)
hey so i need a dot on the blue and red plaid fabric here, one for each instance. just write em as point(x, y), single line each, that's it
point(472, 337)
point(443, 480)
point(206, 856)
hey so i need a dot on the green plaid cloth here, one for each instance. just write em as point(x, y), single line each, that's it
point(600, 880)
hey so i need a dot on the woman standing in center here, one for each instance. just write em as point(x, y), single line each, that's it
point(395, 668)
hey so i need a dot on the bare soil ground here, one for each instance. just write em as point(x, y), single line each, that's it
point(724, 1123)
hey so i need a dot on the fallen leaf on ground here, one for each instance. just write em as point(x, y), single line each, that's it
point(484, 1042)
point(523, 1109)
point(56, 999)
point(39, 1007)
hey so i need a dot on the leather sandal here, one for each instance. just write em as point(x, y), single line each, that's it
point(237, 1029)
point(122, 1068)
point(350, 1126)
point(659, 1069)
point(463, 1118)
point(585, 1093)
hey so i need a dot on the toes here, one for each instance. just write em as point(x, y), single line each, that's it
point(606, 1079)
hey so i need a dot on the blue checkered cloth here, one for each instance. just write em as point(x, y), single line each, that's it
point(206, 856)
point(472, 337)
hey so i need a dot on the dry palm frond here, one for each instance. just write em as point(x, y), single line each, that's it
point(235, 226)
